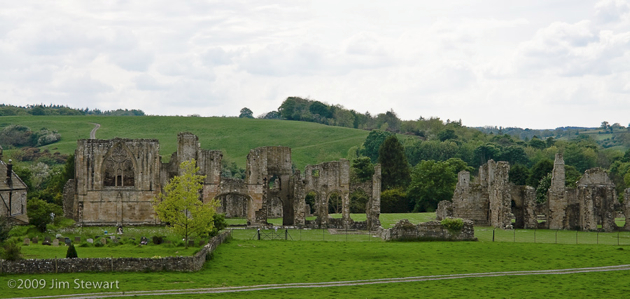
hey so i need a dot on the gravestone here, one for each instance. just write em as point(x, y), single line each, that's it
point(104, 241)
point(112, 237)
point(67, 241)
point(202, 242)
point(35, 240)
point(91, 241)
point(27, 241)
point(47, 239)
point(144, 241)
point(191, 243)
point(55, 242)
point(77, 239)
point(58, 236)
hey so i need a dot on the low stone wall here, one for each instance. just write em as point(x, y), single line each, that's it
point(432, 230)
point(180, 264)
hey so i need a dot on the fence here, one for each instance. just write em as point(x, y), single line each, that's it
point(292, 234)
point(552, 236)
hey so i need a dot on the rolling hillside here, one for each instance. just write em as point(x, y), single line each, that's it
point(311, 143)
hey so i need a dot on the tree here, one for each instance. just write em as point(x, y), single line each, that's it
point(321, 109)
point(431, 182)
point(394, 201)
point(362, 169)
point(246, 113)
point(394, 167)
point(519, 174)
point(5, 227)
point(72, 252)
point(539, 171)
point(39, 213)
point(373, 142)
point(180, 206)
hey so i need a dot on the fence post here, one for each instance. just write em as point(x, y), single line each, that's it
point(492, 235)
point(576, 236)
point(556, 236)
point(259, 234)
point(286, 233)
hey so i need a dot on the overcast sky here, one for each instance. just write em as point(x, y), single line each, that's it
point(536, 64)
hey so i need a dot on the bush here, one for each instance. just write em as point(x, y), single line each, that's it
point(5, 228)
point(157, 240)
point(85, 244)
point(98, 244)
point(453, 225)
point(72, 252)
point(39, 212)
point(12, 250)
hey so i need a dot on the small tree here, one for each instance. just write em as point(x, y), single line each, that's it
point(5, 227)
point(181, 207)
point(72, 252)
point(246, 113)
point(394, 167)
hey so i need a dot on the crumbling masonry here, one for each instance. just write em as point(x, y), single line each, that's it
point(493, 201)
point(116, 181)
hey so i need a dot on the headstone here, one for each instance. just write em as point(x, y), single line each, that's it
point(27, 241)
point(55, 242)
point(202, 242)
point(77, 239)
point(35, 240)
point(47, 239)
point(144, 241)
point(103, 241)
point(58, 236)
point(112, 237)
point(91, 241)
point(191, 243)
point(46, 243)
point(67, 241)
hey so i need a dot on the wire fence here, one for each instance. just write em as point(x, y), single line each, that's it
point(552, 236)
point(483, 234)
point(292, 234)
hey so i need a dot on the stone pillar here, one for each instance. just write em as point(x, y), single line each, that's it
point(626, 208)
point(556, 217)
point(374, 210)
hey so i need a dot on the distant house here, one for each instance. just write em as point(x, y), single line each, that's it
point(12, 194)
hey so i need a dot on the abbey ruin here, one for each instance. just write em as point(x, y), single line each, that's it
point(12, 194)
point(491, 200)
point(117, 179)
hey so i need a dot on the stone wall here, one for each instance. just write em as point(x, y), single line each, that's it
point(180, 264)
point(12, 194)
point(432, 230)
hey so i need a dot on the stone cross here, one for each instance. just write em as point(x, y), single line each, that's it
point(56, 242)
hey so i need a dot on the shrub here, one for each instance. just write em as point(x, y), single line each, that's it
point(85, 244)
point(72, 252)
point(157, 240)
point(12, 250)
point(98, 244)
point(453, 225)
point(19, 230)
point(5, 228)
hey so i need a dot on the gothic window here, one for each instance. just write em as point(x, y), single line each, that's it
point(118, 167)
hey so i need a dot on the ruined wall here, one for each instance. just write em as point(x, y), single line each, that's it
point(597, 198)
point(327, 179)
point(432, 230)
point(233, 198)
point(12, 194)
point(470, 201)
point(557, 202)
point(116, 181)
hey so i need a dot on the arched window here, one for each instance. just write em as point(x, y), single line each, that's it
point(118, 168)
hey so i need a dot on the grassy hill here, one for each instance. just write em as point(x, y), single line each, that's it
point(311, 143)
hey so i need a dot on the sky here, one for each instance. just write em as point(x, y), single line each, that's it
point(532, 64)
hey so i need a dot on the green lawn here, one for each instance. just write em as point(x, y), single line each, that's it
point(387, 219)
point(249, 262)
point(311, 143)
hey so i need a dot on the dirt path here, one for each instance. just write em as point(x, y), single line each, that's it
point(93, 132)
point(341, 283)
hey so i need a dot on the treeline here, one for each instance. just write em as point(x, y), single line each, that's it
point(10, 110)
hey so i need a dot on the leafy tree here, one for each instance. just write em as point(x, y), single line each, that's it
point(431, 182)
point(537, 143)
point(321, 109)
point(39, 211)
point(539, 171)
point(12, 250)
point(394, 201)
point(458, 165)
point(543, 187)
point(358, 201)
point(362, 169)
point(373, 142)
point(219, 223)
point(514, 155)
point(519, 174)
point(394, 167)
point(180, 206)
point(446, 135)
point(485, 152)
point(270, 115)
point(582, 155)
point(571, 176)
point(246, 113)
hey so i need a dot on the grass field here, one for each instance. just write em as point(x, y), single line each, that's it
point(311, 143)
point(248, 262)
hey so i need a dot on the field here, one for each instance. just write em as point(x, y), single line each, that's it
point(311, 143)
point(249, 262)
